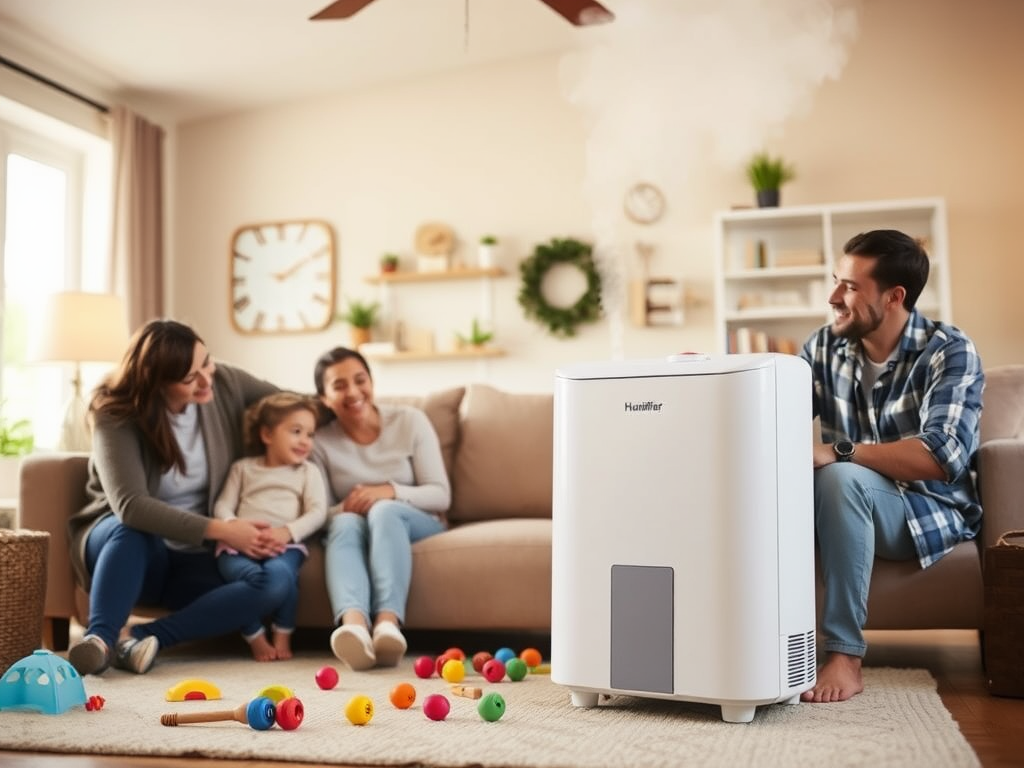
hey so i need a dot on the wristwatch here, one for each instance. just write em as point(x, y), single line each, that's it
point(844, 450)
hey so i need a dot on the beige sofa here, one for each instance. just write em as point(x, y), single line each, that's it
point(492, 570)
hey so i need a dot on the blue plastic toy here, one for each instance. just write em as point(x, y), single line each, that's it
point(41, 681)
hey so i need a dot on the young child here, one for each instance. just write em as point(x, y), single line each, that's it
point(284, 492)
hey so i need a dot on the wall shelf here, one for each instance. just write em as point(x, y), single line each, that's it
point(409, 276)
point(411, 356)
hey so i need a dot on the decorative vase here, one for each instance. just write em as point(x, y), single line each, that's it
point(767, 198)
point(485, 256)
point(359, 336)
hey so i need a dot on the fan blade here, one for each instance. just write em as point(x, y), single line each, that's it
point(341, 9)
point(582, 13)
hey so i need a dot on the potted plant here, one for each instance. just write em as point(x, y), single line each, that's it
point(767, 174)
point(477, 337)
point(486, 252)
point(389, 262)
point(16, 440)
point(360, 316)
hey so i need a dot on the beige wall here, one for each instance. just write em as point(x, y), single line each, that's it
point(928, 105)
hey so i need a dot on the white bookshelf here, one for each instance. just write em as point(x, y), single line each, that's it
point(774, 266)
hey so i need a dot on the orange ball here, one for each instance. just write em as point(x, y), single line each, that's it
point(403, 695)
point(532, 657)
point(455, 652)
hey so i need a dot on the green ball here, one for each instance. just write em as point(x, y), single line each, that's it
point(516, 669)
point(491, 707)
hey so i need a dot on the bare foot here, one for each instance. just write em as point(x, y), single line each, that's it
point(838, 679)
point(261, 649)
point(283, 645)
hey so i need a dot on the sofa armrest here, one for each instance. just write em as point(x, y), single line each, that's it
point(1001, 483)
point(53, 489)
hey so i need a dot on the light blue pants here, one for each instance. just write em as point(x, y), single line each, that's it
point(369, 559)
point(858, 515)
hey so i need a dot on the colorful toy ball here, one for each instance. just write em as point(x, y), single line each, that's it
point(403, 695)
point(289, 713)
point(504, 654)
point(436, 706)
point(516, 670)
point(326, 678)
point(531, 656)
point(493, 671)
point(359, 710)
point(443, 659)
point(491, 707)
point(453, 671)
point(455, 653)
point(481, 658)
point(424, 667)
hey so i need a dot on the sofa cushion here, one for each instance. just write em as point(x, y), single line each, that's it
point(503, 466)
point(442, 408)
point(1002, 413)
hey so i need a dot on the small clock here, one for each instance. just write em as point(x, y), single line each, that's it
point(282, 277)
point(434, 239)
point(644, 203)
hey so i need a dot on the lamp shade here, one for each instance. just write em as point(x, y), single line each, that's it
point(80, 328)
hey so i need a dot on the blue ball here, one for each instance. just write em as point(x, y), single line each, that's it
point(504, 654)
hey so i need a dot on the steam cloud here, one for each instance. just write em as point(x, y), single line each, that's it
point(671, 81)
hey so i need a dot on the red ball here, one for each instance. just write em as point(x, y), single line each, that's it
point(479, 659)
point(455, 653)
point(326, 677)
point(493, 670)
point(424, 667)
point(443, 659)
point(436, 706)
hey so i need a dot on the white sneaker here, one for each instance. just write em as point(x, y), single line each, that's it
point(351, 644)
point(389, 644)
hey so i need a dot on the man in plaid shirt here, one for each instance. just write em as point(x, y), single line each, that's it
point(899, 398)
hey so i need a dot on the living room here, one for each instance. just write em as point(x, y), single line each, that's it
point(920, 103)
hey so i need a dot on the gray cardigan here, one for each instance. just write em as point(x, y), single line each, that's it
point(124, 473)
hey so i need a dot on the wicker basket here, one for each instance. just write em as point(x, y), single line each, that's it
point(22, 592)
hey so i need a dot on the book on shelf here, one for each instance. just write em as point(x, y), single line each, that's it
point(745, 340)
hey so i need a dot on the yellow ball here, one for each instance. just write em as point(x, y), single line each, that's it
point(359, 710)
point(453, 671)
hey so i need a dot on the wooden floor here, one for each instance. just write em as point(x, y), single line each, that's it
point(994, 726)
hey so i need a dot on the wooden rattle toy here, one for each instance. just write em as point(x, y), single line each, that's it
point(259, 714)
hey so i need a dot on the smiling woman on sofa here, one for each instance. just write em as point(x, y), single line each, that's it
point(162, 446)
point(387, 488)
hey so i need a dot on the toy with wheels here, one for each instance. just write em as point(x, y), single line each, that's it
point(289, 713)
point(259, 714)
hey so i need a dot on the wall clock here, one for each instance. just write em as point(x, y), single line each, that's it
point(644, 203)
point(282, 277)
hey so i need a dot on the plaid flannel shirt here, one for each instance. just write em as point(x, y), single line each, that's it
point(932, 392)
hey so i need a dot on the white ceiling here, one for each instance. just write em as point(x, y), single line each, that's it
point(195, 58)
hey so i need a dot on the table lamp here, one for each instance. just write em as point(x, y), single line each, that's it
point(79, 327)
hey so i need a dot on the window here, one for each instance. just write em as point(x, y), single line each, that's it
point(54, 217)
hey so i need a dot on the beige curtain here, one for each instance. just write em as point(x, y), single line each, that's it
point(137, 240)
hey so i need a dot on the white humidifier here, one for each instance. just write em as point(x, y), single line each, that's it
point(683, 531)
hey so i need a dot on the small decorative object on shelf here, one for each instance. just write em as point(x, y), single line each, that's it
point(389, 262)
point(360, 316)
point(644, 203)
point(434, 243)
point(560, 321)
point(477, 337)
point(486, 252)
point(767, 174)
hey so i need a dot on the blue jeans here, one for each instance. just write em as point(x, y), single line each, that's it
point(858, 515)
point(278, 576)
point(369, 559)
point(129, 567)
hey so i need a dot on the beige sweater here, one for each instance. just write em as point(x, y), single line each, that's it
point(290, 496)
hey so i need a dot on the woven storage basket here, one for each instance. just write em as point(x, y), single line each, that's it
point(22, 592)
point(1004, 615)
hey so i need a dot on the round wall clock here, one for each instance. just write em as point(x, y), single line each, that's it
point(434, 239)
point(282, 277)
point(644, 203)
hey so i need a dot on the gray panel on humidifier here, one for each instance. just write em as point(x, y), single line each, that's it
point(642, 621)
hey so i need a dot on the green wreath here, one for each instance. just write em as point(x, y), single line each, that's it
point(560, 321)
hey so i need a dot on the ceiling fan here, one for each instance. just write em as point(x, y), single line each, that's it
point(579, 12)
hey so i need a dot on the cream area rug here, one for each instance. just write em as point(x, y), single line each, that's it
point(898, 721)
